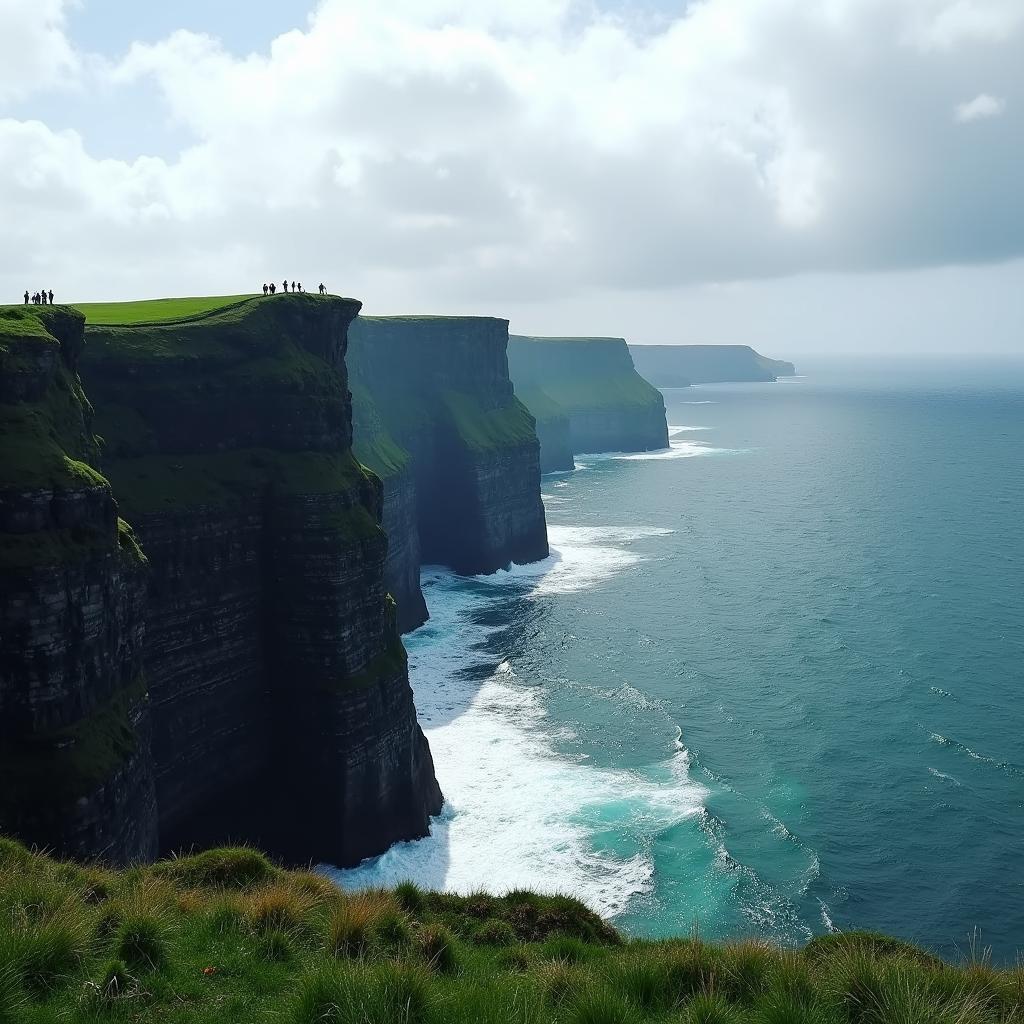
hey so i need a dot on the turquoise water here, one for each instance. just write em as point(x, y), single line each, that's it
point(770, 682)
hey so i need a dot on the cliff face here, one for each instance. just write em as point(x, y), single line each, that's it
point(74, 717)
point(440, 389)
point(374, 447)
point(282, 711)
point(592, 381)
point(676, 366)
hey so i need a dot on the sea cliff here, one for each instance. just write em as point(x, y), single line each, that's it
point(437, 420)
point(586, 396)
point(676, 366)
point(281, 708)
point(75, 761)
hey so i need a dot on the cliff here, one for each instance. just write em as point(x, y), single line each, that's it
point(436, 417)
point(676, 366)
point(75, 760)
point(592, 384)
point(375, 448)
point(282, 712)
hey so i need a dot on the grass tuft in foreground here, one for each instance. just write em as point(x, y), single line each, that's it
point(226, 935)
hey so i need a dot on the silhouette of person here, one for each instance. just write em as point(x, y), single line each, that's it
point(322, 288)
point(293, 286)
point(26, 296)
point(35, 298)
point(265, 289)
point(284, 285)
point(273, 287)
point(51, 296)
point(43, 296)
point(300, 286)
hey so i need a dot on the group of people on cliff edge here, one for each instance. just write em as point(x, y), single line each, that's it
point(271, 289)
point(42, 298)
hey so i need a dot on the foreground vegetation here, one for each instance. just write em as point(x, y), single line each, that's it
point(226, 936)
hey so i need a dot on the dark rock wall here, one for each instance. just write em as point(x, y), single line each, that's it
point(271, 644)
point(375, 448)
point(402, 567)
point(441, 389)
point(676, 366)
point(75, 764)
point(609, 406)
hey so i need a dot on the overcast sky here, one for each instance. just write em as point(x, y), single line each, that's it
point(807, 176)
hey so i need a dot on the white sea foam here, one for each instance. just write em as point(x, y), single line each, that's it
point(826, 917)
point(679, 448)
point(944, 776)
point(680, 429)
point(517, 814)
point(581, 557)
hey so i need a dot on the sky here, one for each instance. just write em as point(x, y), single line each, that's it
point(811, 177)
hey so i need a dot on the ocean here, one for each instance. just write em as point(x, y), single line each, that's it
point(770, 681)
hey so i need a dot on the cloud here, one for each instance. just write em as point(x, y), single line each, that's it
point(980, 108)
point(428, 152)
point(35, 52)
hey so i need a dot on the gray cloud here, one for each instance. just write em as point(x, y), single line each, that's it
point(437, 152)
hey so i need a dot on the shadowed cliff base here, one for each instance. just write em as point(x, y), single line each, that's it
point(586, 396)
point(677, 366)
point(435, 417)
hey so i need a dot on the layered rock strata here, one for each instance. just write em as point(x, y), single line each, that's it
point(593, 384)
point(282, 712)
point(436, 417)
point(76, 771)
point(676, 366)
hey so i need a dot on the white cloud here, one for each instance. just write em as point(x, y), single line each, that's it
point(980, 108)
point(434, 151)
point(34, 50)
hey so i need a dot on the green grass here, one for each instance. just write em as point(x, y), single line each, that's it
point(148, 311)
point(155, 483)
point(372, 444)
point(226, 936)
point(22, 322)
point(483, 428)
point(71, 762)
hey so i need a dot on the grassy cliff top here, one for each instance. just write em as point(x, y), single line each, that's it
point(226, 936)
point(411, 318)
point(175, 310)
point(553, 340)
point(23, 322)
point(146, 311)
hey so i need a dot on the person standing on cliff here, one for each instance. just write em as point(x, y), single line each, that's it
point(293, 286)
point(265, 289)
point(51, 296)
point(284, 285)
point(322, 288)
point(26, 296)
point(43, 296)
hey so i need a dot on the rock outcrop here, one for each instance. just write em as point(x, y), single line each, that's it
point(75, 760)
point(437, 419)
point(281, 707)
point(592, 384)
point(676, 366)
